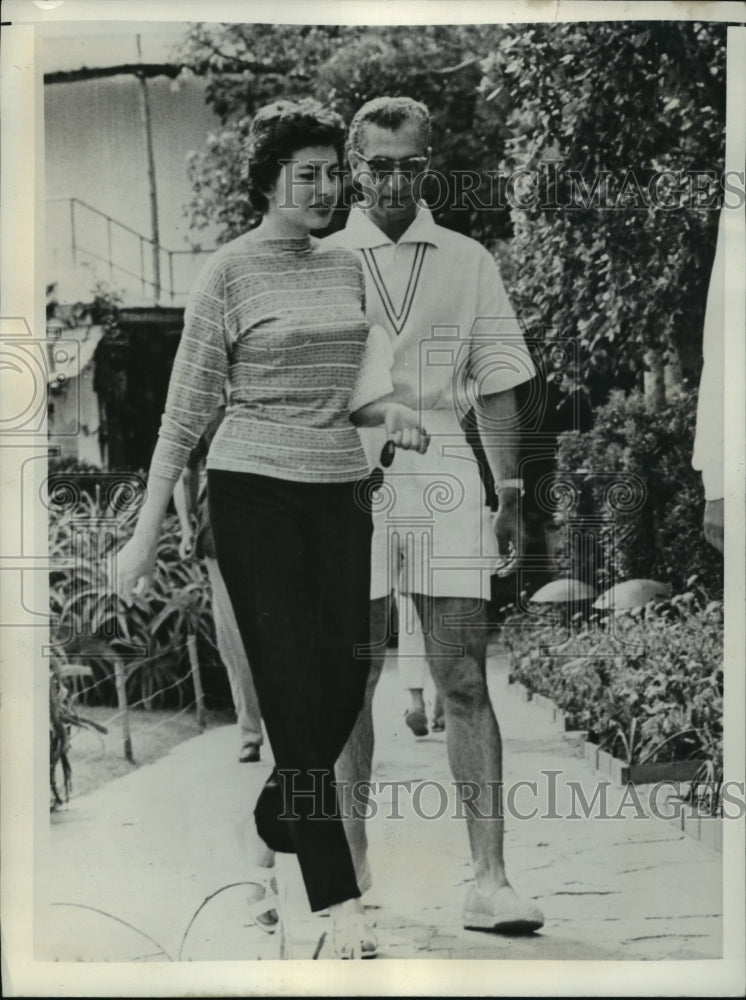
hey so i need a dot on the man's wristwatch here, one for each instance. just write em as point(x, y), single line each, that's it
point(509, 484)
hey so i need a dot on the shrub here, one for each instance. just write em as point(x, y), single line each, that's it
point(89, 519)
point(93, 623)
point(63, 715)
point(59, 737)
point(615, 100)
point(651, 688)
point(663, 538)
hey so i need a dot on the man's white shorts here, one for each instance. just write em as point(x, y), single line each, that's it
point(429, 518)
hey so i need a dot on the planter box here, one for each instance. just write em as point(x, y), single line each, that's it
point(646, 774)
point(553, 714)
point(619, 772)
point(565, 722)
point(522, 690)
point(689, 822)
point(590, 752)
point(707, 829)
point(711, 832)
point(580, 736)
point(639, 774)
point(604, 762)
point(541, 701)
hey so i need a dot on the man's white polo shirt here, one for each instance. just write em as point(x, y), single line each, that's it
point(454, 337)
point(441, 298)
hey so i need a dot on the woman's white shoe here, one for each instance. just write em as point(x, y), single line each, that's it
point(354, 939)
point(263, 898)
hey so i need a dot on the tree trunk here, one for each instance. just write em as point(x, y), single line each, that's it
point(672, 372)
point(654, 380)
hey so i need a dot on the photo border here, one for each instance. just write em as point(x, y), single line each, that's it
point(24, 817)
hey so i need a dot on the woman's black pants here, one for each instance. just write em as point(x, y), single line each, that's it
point(295, 558)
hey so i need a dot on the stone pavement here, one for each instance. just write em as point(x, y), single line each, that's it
point(127, 867)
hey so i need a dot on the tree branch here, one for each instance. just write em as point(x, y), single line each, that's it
point(464, 64)
point(99, 72)
point(144, 70)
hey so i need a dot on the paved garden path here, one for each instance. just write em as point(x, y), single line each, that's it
point(133, 861)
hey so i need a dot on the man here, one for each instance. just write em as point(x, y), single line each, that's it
point(456, 345)
point(708, 441)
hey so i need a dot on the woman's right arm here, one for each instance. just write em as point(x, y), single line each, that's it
point(136, 561)
point(194, 391)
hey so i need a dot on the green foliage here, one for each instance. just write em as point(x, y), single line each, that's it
point(63, 715)
point(616, 97)
point(94, 626)
point(664, 539)
point(648, 689)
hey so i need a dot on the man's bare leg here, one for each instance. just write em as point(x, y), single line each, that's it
point(475, 755)
point(355, 763)
point(439, 722)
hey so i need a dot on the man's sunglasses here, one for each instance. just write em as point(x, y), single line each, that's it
point(375, 481)
point(382, 167)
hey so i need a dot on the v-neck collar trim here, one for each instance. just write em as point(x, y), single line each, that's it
point(397, 317)
point(363, 234)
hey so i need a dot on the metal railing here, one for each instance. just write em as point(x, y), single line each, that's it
point(127, 255)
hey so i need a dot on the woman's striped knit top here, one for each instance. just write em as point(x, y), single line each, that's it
point(280, 325)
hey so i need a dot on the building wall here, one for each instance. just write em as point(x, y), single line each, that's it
point(76, 438)
point(73, 411)
point(95, 151)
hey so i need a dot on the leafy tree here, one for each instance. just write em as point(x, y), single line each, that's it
point(564, 101)
point(631, 99)
point(660, 536)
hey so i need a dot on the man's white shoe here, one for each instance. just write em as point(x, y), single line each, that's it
point(502, 912)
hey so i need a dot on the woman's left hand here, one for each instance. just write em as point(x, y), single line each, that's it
point(403, 428)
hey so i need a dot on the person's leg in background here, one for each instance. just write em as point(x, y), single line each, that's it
point(355, 763)
point(233, 655)
point(412, 664)
point(439, 716)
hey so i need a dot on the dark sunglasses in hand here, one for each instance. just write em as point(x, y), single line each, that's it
point(382, 167)
point(385, 459)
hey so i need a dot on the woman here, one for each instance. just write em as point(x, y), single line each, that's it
point(278, 322)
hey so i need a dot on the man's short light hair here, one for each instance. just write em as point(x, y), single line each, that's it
point(390, 113)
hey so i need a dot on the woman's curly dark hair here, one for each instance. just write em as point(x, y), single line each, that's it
point(277, 132)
